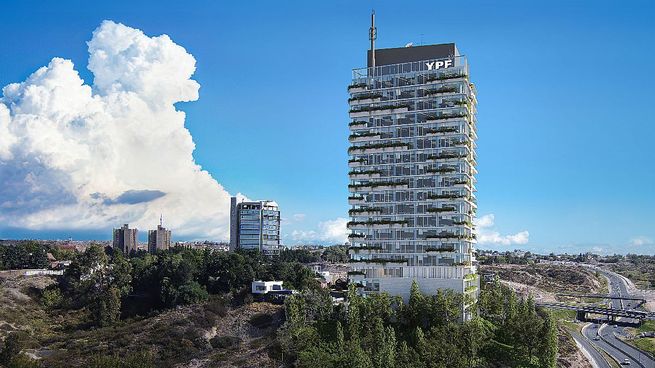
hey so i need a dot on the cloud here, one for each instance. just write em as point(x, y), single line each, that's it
point(136, 196)
point(640, 240)
point(487, 236)
point(298, 217)
point(83, 157)
point(331, 231)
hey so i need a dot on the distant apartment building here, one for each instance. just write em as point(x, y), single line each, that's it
point(255, 225)
point(126, 239)
point(412, 172)
point(159, 239)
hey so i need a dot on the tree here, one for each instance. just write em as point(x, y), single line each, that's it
point(547, 352)
point(13, 344)
point(106, 306)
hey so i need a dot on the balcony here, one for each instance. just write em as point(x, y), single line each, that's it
point(365, 174)
point(357, 124)
point(378, 260)
point(445, 196)
point(380, 148)
point(442, 117)
point(447, 235)
point(441, 91)
point(356, 162)
point(378, 224)
point(357, 87)
point(363, 137)
point(383, 185)
point(365, 98)
point(377, 110)
point(444, 77)
point(441, 170)
point(450, 248)
point(356, 200)
point(445, 156)
point(441, 130)
point(443, 209)
point(365, 211)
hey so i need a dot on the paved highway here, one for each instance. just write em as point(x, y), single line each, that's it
point(605, 336)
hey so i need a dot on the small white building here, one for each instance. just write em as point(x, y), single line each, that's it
point(264, 287)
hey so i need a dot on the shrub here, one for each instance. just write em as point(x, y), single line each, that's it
point(261, 320)
point(224, 342)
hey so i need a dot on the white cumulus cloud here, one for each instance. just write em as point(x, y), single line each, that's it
point(331, 231)
point(487, 236)
point(79, 156)
point(641, 240)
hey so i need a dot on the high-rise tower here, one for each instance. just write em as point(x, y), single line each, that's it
point(255, 225)
point(412, 171)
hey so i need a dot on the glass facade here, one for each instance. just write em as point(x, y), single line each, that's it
point(412, 175)
point(255, 225)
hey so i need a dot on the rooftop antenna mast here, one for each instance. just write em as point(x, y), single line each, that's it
point(161, 220)
point(373, 35)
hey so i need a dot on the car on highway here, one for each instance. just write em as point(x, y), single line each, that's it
point(625, 362)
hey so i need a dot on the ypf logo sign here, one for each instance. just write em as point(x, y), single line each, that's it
point(441, 64)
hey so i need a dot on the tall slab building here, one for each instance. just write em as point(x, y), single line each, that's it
point(255, 225)
point(412, 171)
point(126, 239)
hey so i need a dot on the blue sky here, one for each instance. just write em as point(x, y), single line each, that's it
point(565, 124)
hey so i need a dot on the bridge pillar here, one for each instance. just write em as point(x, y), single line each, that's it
point(581, 316)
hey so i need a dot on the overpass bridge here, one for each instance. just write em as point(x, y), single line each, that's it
point(604, 296)
point(611, 315)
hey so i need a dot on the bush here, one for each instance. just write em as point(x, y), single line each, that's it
point(51, 298)
point(224, 342)
point(261, 320)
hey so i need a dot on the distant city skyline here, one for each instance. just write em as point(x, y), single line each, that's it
point(565, 161)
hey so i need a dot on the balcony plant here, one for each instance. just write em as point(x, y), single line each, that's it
point(441, 130)
point(377, 222)
point(379, 145)
point(361, 135)
point(441, 209)
point(440, 249)
point(357, 85)
point(358, 122)
point(365, 247)
point(364, 172)
point(355, 211)
point(365, 96)
point(445, 89)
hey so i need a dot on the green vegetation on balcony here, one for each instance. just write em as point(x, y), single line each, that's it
point(365, 247)
point(379, 260)
point(356, 236)
point(462, 223)
point(355, 211)
point(445, 77)
point(365, 172)
point(378, 222)
point(356, 85)
point(379, 145)
point(463, 181)
point(352, 160)
point(445, 156)
point(441, 249)
point(470, 288)
point(448, 116)
point(356, 198)
point(378, 108)
point(358, 122)
point(379, 184)
point(441, 209)
point(441, 130)
point(461, 103)
point(356, 273)
point(440, 170)
point(470, 276)
point(445, 89)
point(445, 196)
point(460, 142)
point(365, 96)
point(360, 135)
point(446, 235)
